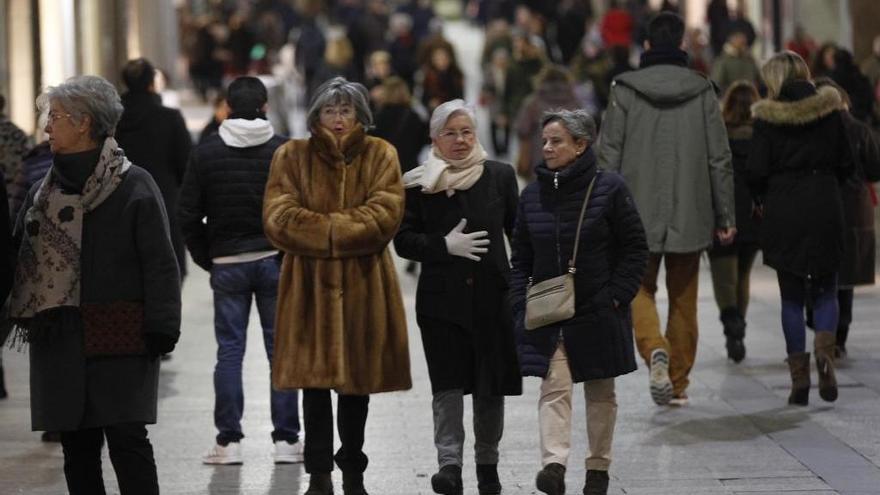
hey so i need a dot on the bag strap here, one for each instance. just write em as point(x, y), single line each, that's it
point(577, 235)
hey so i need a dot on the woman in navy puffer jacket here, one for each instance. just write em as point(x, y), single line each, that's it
point(595, 345)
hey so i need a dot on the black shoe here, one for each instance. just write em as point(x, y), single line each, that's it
point(487, 479)
point(3, 393)
point(597, 483)
point(736, 350)
point(320, 484)
point(353, 484)
point(51, 437)
point(447, 481)
point(551, 479)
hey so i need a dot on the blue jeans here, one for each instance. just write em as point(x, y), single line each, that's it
point(234, 285)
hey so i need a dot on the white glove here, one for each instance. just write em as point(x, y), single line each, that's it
point(466, 245)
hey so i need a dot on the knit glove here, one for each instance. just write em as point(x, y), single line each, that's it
point(159, 344)
point(466, 245)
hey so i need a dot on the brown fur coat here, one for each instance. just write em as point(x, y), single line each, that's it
point(332, 209)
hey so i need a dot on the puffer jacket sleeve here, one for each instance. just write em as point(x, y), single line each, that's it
point(613, 129)
point(287, 224)
point(720, 166)
point(522, 259)
point(161, 275)
point(367, 229)
point(412, 242)
point(510, 191)
point(630, 246)
point(191, 209)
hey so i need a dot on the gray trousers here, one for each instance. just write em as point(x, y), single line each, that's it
point(448, 408)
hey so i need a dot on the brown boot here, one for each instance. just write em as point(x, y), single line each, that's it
point(799, 366)
point(824, 349)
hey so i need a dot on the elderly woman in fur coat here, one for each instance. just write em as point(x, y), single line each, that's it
point(333, 203)
point(459, 207)
point(799, 155)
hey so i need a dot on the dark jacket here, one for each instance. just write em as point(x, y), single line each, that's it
point(610, 262)
point(156, 139)
point(126, 256)
point(226, 185)
point(857, 266)
point(461, 305)
point(405, 130)
point(35, 166)
point(798, 154)
point(740, 138)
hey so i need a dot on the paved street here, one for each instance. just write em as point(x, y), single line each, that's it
point(736, 436)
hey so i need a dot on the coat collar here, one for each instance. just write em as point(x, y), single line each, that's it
point(799, 111)
point(581, 171)
point(333, 151)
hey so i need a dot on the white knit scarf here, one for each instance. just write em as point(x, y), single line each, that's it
point(439, 174)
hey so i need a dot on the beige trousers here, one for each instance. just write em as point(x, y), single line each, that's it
point(554, 415)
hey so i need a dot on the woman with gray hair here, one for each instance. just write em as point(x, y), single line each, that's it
point(333, 203)
point(579, 220)
point(97, 292)
point(459, 207)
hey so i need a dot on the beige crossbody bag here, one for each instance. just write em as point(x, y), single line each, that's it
point(553, 299)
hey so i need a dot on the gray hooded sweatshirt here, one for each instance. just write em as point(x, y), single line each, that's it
point(663, 132)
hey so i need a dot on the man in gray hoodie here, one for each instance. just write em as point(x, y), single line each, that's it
point(664, 133)
point(224, 184)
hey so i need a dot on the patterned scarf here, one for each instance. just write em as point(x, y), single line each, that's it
point(440, 174)
point(47, 275)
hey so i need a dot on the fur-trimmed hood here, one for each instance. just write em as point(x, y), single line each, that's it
point(800, 112)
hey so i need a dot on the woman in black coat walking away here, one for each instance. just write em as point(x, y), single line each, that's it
point(97, 292)
point(459, 207)
point(798, 157)
point(596, 344)
point(857, 266)
point(732, 264)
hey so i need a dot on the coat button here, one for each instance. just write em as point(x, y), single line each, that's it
point(469, 281)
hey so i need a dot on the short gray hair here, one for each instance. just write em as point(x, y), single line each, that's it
point(337, 91)
point(578, 123)
point(91, 96)
point(445, 111)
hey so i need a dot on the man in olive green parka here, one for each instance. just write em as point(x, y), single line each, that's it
point(663, 132)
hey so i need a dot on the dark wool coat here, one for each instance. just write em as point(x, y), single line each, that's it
point(462, 306)
point(610, 262)
point(156, 139)
point(226, 185)
point(857, 266)
point(126, 256)
point(333, 209)
point(740, 138)
point(799, 152)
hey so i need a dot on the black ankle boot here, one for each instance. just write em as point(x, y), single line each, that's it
point(487, 479)
point(3, 393)
point(597, 483)
point(551, 479)
point(353, 484)
point(734, 333)
point(320, 484)
point(447, 481)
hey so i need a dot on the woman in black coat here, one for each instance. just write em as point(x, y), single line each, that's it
point(459, 207)
point(799, 155)
point(732, 264)
point(857, 266)
point(596, 344)
point(397, 123)
point(97, 292)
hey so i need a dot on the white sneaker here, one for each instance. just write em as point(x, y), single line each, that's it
point(230, 454)
point(661, 386)
point(288, 453)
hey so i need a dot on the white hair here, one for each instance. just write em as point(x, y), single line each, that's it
point(446, 111)
point(91, 96)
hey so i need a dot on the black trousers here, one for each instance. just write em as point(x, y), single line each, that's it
point(130, 453)
point(351, 418)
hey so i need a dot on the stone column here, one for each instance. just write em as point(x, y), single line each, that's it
point(865, 16)
point(153, 33)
